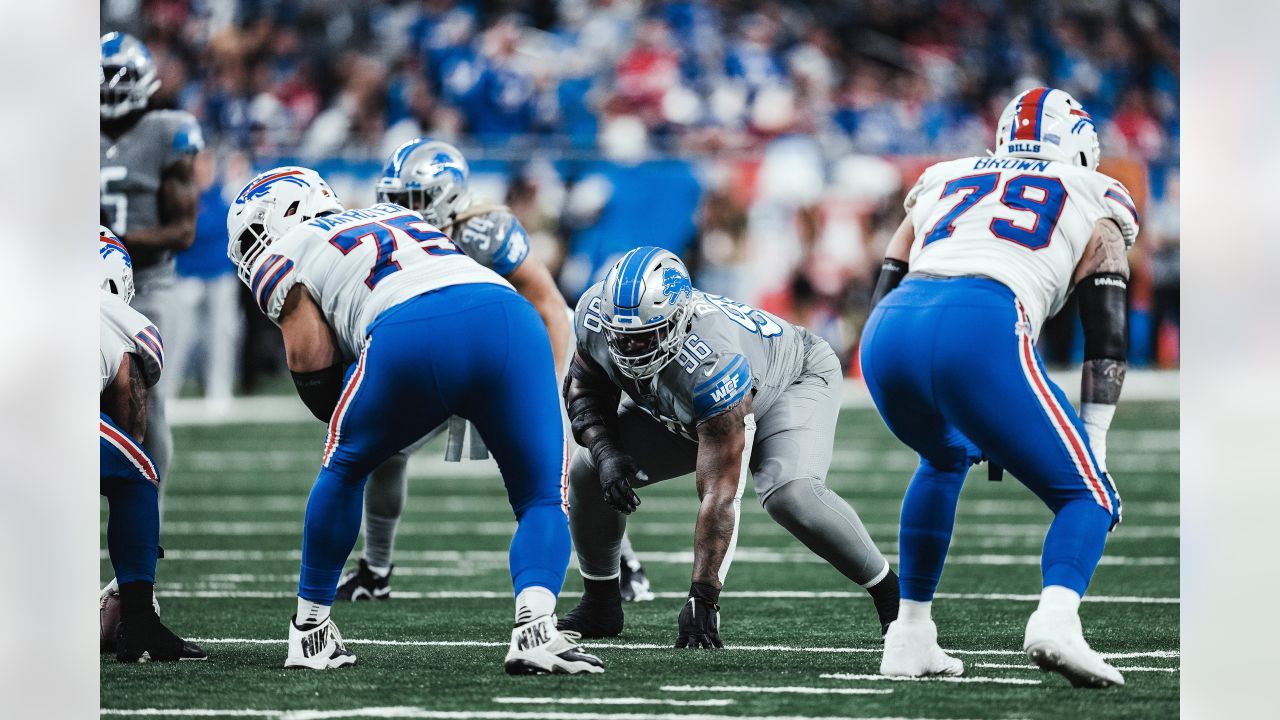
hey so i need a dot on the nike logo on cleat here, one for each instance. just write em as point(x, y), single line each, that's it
point(315, 642)
point(533, 636)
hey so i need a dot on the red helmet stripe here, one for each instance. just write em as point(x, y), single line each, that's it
point(1026, 123)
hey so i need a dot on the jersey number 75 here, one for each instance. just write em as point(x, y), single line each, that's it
point(1048, 197)
point(383, 234)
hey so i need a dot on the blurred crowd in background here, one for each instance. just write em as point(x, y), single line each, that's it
point(768, 143)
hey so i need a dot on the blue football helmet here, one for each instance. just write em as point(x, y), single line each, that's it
point(429, 176)
point(646, 306)
point(127, 75)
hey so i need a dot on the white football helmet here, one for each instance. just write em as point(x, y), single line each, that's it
point(1048, 124)
point(429, 176)
point(271, 204)
point(646, 306)
point(117, 266)
point(127, 75)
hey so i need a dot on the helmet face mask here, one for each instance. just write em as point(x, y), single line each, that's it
point(428, 176)
point(127, 76)
point(646, 308)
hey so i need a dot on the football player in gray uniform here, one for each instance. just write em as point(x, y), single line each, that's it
point(148, 192)
point(430, 176)
point(713, 387)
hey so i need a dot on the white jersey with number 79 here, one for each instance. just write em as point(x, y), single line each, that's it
point(1023, 222)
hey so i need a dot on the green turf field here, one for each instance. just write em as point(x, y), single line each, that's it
point(803, 642)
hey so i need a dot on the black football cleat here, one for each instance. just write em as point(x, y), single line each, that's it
point(599, 612)
point(633, 584)
point(363, 584)
point(146, 638)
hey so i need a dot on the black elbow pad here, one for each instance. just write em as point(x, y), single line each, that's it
point(891, 273)
point(320, 389)
point(1104, 315)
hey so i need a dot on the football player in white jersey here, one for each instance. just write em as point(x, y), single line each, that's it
point(431, 177)
point(992, 246)
point(389, 329)
point(131, 356)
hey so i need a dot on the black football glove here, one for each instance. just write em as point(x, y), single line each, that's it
point(618, 472)
point(700, 619)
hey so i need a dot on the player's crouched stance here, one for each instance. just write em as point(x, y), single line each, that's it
point(131, 357)
point(950, 360)
point(389, 329)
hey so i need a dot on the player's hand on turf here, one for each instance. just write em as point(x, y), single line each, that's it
point(618, 472)
point(699, 625)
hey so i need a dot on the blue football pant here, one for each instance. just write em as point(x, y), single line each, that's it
point(952, 369)
point(479, 351)
point(128, 478)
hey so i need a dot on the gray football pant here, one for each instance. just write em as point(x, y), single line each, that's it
point(153, 299)
point(789, 462)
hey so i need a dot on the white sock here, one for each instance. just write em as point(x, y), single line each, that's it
point(534, 602)
point(310, 613)
point(1057, 597)
point(380, 571)
point(915, 610)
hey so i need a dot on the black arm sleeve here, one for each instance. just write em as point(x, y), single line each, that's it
point(320, 389)
point(590, 398)
point(1103, 313)
point(891, 273)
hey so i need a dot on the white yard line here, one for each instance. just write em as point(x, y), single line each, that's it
point(1014, 666)
point(714, 702)
point(961, 679)
point(758, 555)
point(1140, 384)
point(504, 528)
point(179, 590)
point(772, 690)
point(433, 503)
point(424, 714)
point(663, 646)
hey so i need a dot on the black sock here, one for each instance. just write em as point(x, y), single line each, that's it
point(135, 599)
point(601, 590)
point(885, 596)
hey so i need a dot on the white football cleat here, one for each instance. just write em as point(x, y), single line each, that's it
point(317, 648)
point(911, 650)
point(1055, 641)
point(538, 648)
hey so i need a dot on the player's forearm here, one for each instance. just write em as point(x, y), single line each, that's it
point(894, 267)
point(712, 537)
point(721, 444)
point(177, 235)
point(592, 403)
point(1102, 295)
point(125, 399)
point(534, 282)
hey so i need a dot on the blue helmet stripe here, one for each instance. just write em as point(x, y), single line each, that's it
point(111, 43)
point(630, 283)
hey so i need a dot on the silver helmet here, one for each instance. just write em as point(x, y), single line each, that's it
point(429, 176)
point(646, 305)
point(127, 75)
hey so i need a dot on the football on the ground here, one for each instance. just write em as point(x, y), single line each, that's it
point(108, 620)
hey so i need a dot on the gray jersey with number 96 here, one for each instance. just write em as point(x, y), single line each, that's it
point(132, 166)
point(732, 349)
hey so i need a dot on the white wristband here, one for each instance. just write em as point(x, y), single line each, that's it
point(1097, 420)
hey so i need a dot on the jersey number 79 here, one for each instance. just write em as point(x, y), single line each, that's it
point(1046, 203)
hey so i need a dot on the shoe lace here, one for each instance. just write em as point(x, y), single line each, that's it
point(573, 636)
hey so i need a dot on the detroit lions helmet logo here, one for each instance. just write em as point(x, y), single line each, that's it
point(675, 284)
